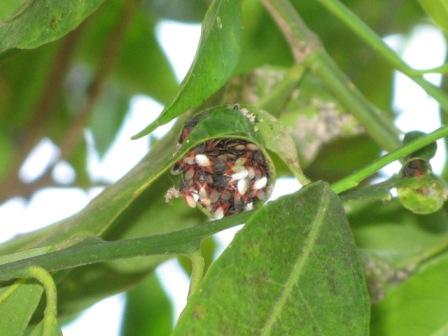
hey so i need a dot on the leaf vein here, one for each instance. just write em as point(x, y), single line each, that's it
point(300, 262)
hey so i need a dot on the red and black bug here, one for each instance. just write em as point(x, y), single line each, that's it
point(415, 168)
point(225, 176)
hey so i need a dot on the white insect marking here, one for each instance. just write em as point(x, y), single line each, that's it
point(202, 160)
point(242, 186)
point(219, 213)
point(260, 183)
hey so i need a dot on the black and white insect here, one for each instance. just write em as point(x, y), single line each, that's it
point(225, 176)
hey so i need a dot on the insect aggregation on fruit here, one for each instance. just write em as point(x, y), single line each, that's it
point(224, 176)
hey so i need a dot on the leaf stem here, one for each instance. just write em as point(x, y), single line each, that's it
point(358, 26)
point(307, 49)
point(50, 313)
point(357, 177)
point(197, 270)
point(96, 250)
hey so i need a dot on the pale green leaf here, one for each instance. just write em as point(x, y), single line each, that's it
point(438, 11)
point(17, 304)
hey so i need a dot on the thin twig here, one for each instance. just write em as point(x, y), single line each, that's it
point(111, 52)
point(356, 178)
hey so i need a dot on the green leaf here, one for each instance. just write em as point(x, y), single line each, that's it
point(279, 141)
point(417, 307)
point(17, 304)
point(377, 225)
point(148, 310)
point(22, 79)
point(293, 269)
point(43, 21)
point(215, 60)
point(438, 11)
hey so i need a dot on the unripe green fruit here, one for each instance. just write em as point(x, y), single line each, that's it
point(422, 195)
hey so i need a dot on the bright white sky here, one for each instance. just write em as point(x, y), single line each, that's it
point(418, 112)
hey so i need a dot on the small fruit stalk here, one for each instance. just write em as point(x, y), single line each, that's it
point(223, 176)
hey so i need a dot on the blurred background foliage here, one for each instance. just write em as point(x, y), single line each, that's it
point(86, 79)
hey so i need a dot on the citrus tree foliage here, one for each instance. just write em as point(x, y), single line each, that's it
point(278, 88)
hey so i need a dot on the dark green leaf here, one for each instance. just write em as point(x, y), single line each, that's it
point(17, 304)
point(377, 226)
point(214, 63)
point(418, 307)
point(148, 310)
point(43, 21)
point(293, 269)
point(341, 157)
point(22, 78)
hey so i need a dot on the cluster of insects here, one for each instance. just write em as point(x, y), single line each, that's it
point(225, 176)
